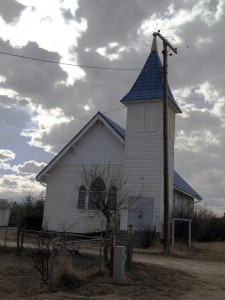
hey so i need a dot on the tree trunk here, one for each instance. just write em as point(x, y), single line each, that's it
point(107, 236)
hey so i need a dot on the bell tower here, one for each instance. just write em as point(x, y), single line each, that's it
point(143, 160)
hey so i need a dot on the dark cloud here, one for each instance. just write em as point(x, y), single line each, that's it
point(33, 79)
point(10, 10)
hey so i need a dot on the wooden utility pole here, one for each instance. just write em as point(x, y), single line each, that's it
point(166, 44)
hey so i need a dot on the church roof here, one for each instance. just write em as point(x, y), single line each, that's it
point(149, 84)
point(116, 127)
point(183, 186)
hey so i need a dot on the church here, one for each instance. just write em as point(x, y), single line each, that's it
point(136, 153)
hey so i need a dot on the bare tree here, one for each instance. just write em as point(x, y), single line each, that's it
point(108, 194)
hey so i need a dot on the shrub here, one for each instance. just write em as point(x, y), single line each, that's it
point(28, 213)
point(206, 225)
point(150, 236)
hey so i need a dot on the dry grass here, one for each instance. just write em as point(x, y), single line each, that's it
point(19, 280)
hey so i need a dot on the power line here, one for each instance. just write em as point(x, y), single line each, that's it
point(68, 64)
point(63, 123)
point(105, 112)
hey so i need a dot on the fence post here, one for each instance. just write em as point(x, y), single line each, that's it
point(22, 239)
point(6, 231)
point(100, 267)
point(112, 246)
point(18, 241)
point(129, 247)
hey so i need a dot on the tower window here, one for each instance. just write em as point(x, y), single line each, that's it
point(148, 119)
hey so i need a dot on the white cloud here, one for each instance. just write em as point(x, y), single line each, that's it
point(13, 185)
point(30, 167)
point(112, 51)
point(45, 120)
point(6, 155)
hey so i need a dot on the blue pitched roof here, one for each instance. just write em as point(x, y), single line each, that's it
point(182, 185)
point(116, 127)
point(149, 84)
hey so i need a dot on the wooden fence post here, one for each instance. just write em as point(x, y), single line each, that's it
point(6, 231)
point(112, 246)
point(129, 247)
point(18, 241)
point(100, 250)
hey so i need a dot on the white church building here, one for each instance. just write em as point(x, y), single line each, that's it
point(137, 152)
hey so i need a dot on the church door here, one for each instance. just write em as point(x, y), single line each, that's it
point(141, 212)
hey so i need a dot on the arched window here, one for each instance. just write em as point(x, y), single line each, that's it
point(112, 196)
point(81, 197)
point(97, 194)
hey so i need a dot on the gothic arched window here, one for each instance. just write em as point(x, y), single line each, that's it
point(81, 197)
point(97, 194)
point(112, 197)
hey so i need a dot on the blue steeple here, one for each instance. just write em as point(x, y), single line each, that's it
point(149, 84)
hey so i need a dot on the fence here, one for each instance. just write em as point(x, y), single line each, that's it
point(8, 236)
point(84, 251)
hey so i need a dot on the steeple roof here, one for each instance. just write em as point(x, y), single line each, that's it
point(149, 84)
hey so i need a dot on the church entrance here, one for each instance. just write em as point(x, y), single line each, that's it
point(141, 212)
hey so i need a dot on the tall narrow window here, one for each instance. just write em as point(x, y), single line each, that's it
point(97, 194)
point(151, 119)
point(112, 197)
point(148, 119)
point(81, 197)
point(141, 119)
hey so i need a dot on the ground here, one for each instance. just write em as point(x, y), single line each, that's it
point(189, 274)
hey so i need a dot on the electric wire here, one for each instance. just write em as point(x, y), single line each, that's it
point(56, 125)
point(105, 112)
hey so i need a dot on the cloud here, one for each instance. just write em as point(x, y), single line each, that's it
point(30, 167)
point(14, 186)
point(6, 155)
point(10, 10)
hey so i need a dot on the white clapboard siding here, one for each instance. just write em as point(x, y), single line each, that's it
point(182, 202)
point(98, 146)
point(143, 162)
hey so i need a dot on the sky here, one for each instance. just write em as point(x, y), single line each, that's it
point(43, 105)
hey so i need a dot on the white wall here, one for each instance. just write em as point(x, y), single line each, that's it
point(144, 157)
point(183, 203)
point(97, 146)
point(4, 216)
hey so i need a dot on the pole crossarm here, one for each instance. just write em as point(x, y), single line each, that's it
point(165, 41)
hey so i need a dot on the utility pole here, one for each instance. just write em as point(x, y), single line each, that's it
point(166, 44)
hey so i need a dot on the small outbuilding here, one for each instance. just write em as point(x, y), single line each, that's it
point(4, 212)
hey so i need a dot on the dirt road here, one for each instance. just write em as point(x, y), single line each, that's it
point(209, 275)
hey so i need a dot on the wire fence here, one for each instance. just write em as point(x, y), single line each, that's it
point(55, 252)
point(85, 251)
point(8, 236)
